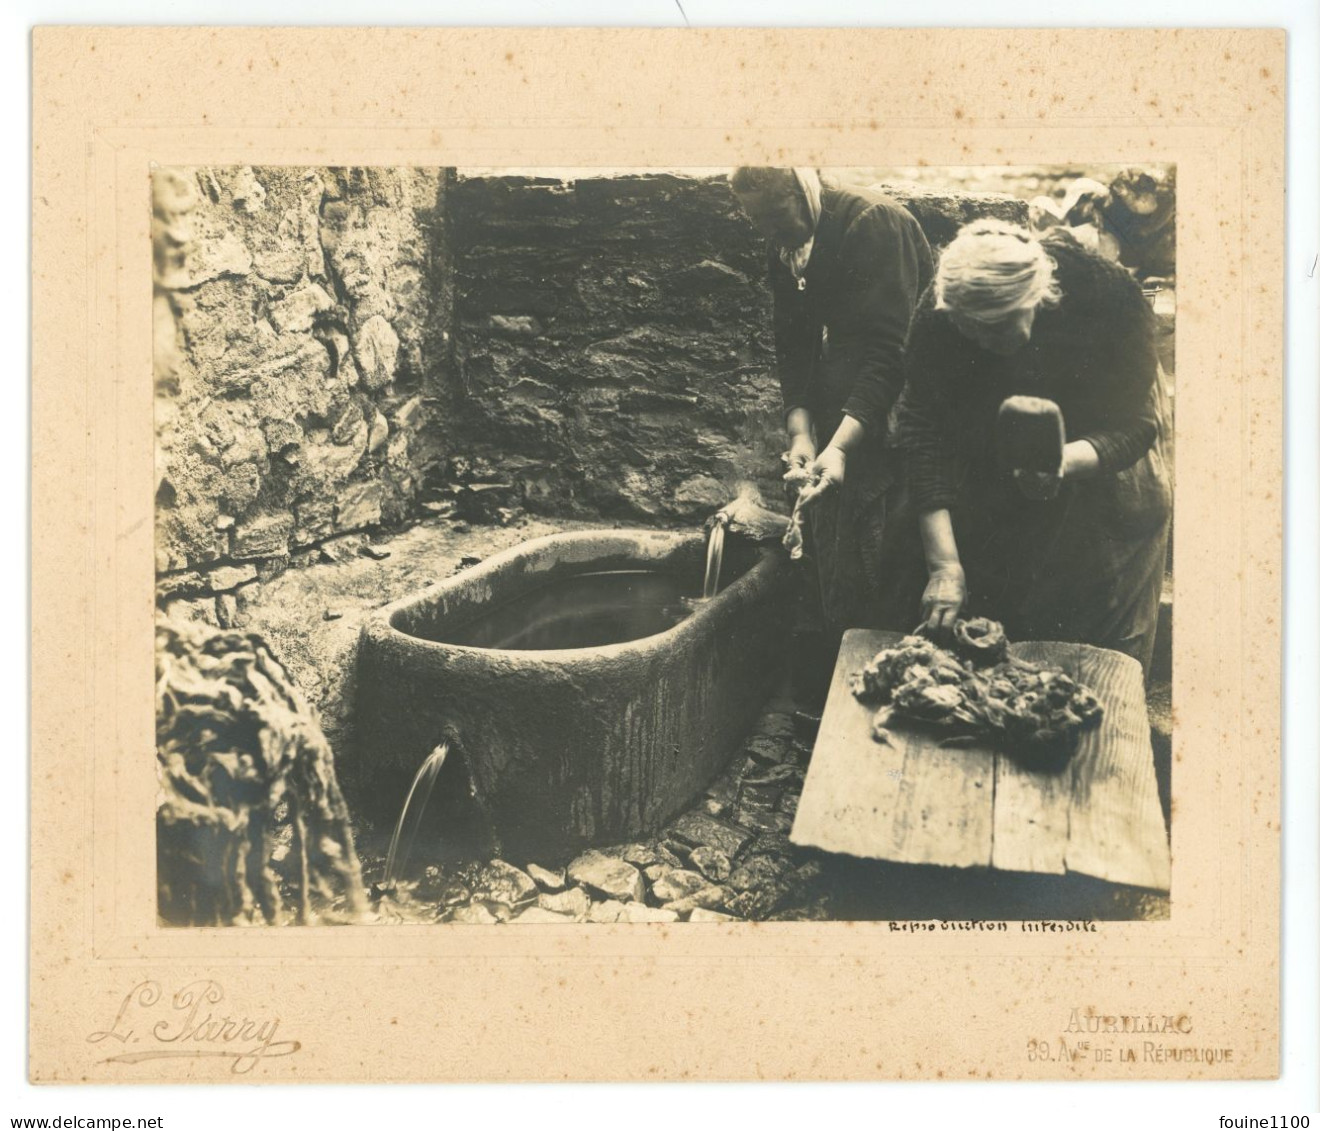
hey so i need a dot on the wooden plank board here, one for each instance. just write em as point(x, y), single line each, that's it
point(906, 800)
point(1033, 808)
point(912, 801)
point(1031, 819)
point(1115, 825)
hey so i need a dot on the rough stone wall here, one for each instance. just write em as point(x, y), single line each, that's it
point(343, 349)
point(613, 338)
point(942, 213)
point(297, 316)
point(613, 342)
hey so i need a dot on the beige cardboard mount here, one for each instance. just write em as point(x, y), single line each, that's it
point(1196, 996)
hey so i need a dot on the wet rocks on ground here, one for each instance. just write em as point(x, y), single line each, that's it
point(733, 865)
point(727, 858)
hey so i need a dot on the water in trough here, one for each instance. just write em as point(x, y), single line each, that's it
point(584, 611)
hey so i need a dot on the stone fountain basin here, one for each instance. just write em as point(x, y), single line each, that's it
point(563, 748)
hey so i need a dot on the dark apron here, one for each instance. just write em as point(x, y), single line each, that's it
point(1087, 566)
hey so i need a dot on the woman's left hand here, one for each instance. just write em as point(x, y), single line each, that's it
point(827, 473)
point(1080, 461)
point(1038, 485)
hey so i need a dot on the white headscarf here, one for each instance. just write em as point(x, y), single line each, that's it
point(795, 258)
point(992, 269)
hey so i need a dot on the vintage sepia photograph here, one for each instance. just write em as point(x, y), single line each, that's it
point(664, 545)
point(626, 555)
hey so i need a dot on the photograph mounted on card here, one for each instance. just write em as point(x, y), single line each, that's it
point(555, 550)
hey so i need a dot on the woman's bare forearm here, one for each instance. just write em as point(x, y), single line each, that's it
point(1080, 460)
point(798, 422)
point(938, 542)
point(848, 434)
point(946, 589)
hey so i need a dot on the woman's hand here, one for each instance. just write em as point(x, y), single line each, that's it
point(945, 595)
point(1080, 461)
point(1038, 485)
point(801, 452)
point(827, 472)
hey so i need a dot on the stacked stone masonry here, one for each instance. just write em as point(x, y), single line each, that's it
point(297, 312)
point(338, 349)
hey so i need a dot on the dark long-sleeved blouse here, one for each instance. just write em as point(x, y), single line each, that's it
point(1093, 354)
point(839, 338)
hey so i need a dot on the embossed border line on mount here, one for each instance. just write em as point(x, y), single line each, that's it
point(1209, 917)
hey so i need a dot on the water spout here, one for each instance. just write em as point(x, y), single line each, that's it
point(410, 817)
point(714, 555)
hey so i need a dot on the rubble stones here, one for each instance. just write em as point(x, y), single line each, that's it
point(226, 610)
point(645, 855)
point(756, 872)
point(265, 537)
point(770, 749)
point(515, 326)
point(296, 312)
point(756, 905)
point(455, 893)
point(671, 878)
point(721, 795)
point(701, 492)
point(252, 335)
point(942, 213)
point(472, 913)
point(674, 884)
point(547, 879)
point(776, 726)
point(377, 351)
point(711, 863)
point(573, 903)
point(501, 882)
point(758, 795)
point(542, 915)
point(763, 819)
point(608, 875)
point(656, 354)
point(774, 844)
point(640, 913)
point(704, 915)
point(607, 911)
point(227, 578)
point(673, 852)
point(407, 415)
point(805, 875)
point(709, 897)
point(698, 829)
point(246, 191)
point(359, 505)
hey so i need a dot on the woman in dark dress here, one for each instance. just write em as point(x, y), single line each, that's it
point(846, 269)
point(1077, 554)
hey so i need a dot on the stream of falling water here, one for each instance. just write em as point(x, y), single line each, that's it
point(410, 817)
point(714, 559)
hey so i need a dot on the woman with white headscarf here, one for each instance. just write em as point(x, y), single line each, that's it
point(1075, 551)
point(846, 269)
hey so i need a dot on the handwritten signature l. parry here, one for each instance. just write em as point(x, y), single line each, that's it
point(188, 1025)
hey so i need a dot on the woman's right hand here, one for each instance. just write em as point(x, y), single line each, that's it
point(798, 459)
point(801, 452)
point(945, 595)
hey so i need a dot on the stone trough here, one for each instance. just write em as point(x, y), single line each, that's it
point(560, 748)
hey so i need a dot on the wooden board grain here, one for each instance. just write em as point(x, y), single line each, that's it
point(905, 800)
point(1115, 825)
point(912, 801)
